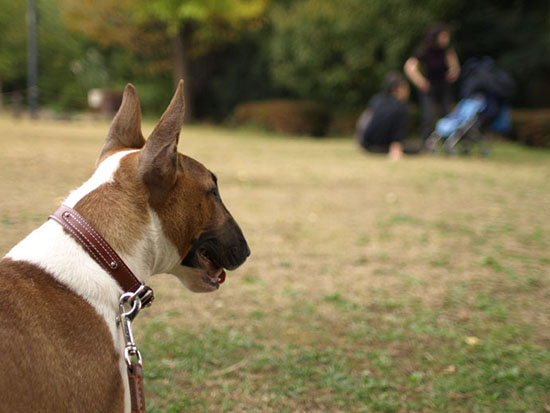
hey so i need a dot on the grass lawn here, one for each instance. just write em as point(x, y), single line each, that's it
point(373, 286)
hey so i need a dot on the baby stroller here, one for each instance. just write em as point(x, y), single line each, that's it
point(485, 92)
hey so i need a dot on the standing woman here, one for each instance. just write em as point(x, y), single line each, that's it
point(432, 70)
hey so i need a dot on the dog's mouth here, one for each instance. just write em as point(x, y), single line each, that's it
point(210, 256)
point(204, 259)
point(215, 274)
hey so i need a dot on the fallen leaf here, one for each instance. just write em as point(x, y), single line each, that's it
point(450, 370)
point(472, 341)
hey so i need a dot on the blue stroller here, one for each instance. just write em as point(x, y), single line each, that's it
point(486, 91)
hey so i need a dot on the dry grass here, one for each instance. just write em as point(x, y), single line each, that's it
point(340, 242)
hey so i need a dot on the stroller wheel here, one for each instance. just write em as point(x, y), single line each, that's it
point(431, 142)
point(451, 142)
point(466, 147)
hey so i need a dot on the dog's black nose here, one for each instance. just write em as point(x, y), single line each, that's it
point(236, 255)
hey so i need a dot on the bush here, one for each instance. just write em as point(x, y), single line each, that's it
point(343, 123)
point(532, 127)
point(285, 116)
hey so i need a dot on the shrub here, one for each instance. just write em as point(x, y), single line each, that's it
point(343, 123)
point(285, 116)
point(532, 127)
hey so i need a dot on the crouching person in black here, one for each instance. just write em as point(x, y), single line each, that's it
point(384, 125)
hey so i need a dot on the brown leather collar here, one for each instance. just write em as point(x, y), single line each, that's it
point(101, 252)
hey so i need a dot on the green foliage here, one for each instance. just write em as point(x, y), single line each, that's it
point(339, 51)
point(333, 52)
point(56, 51)
point(516, 34)
point(130, 23)
point(70, 64)
point(12, 39)
point(239, 73)
point(154, 93)
point(171, 35)
point(211, 18)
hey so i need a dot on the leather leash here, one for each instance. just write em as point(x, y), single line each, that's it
point(136, 295)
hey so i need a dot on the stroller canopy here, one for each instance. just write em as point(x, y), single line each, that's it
point(481, 75)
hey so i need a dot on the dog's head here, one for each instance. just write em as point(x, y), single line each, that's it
point(182, 193)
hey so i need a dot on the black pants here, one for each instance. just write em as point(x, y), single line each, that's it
point(438, 94)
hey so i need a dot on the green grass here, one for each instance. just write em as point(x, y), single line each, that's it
point(386, 358)
point(373, 286)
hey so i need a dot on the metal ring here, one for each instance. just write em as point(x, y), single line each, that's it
point(132, 351)
point(133, 312)
point(134, 300)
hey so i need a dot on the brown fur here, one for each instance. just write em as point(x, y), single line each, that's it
point(125, 130)
point(203, 212)
point(158, 161)
point(126, 202)
point(69, 362)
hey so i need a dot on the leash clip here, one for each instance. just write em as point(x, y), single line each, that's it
point(129, 307)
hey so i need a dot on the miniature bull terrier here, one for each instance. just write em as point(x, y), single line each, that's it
point(147, 209)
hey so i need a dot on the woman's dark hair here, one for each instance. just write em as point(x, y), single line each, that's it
point(392, 81)
point(430, 37)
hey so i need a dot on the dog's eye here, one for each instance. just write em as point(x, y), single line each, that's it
point(214, 191)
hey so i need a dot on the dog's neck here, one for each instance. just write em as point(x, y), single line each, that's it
point(51, 248)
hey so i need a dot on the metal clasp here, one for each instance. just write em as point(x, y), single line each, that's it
point(129, 307)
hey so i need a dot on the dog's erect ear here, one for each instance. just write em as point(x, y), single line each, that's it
point(125, 131)
point(158, 161)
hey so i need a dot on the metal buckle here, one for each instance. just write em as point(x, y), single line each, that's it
point(146, 295)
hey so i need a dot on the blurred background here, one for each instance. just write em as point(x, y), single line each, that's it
point(317, 59)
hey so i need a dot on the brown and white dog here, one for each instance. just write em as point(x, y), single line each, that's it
point(60, 347)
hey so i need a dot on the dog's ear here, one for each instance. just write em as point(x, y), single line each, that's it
point(158, 161)
point(125, 130)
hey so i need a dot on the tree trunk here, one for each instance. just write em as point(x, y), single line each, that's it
point(180, 46)
point(1, 96)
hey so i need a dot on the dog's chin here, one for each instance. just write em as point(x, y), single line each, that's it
point(195, 279)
